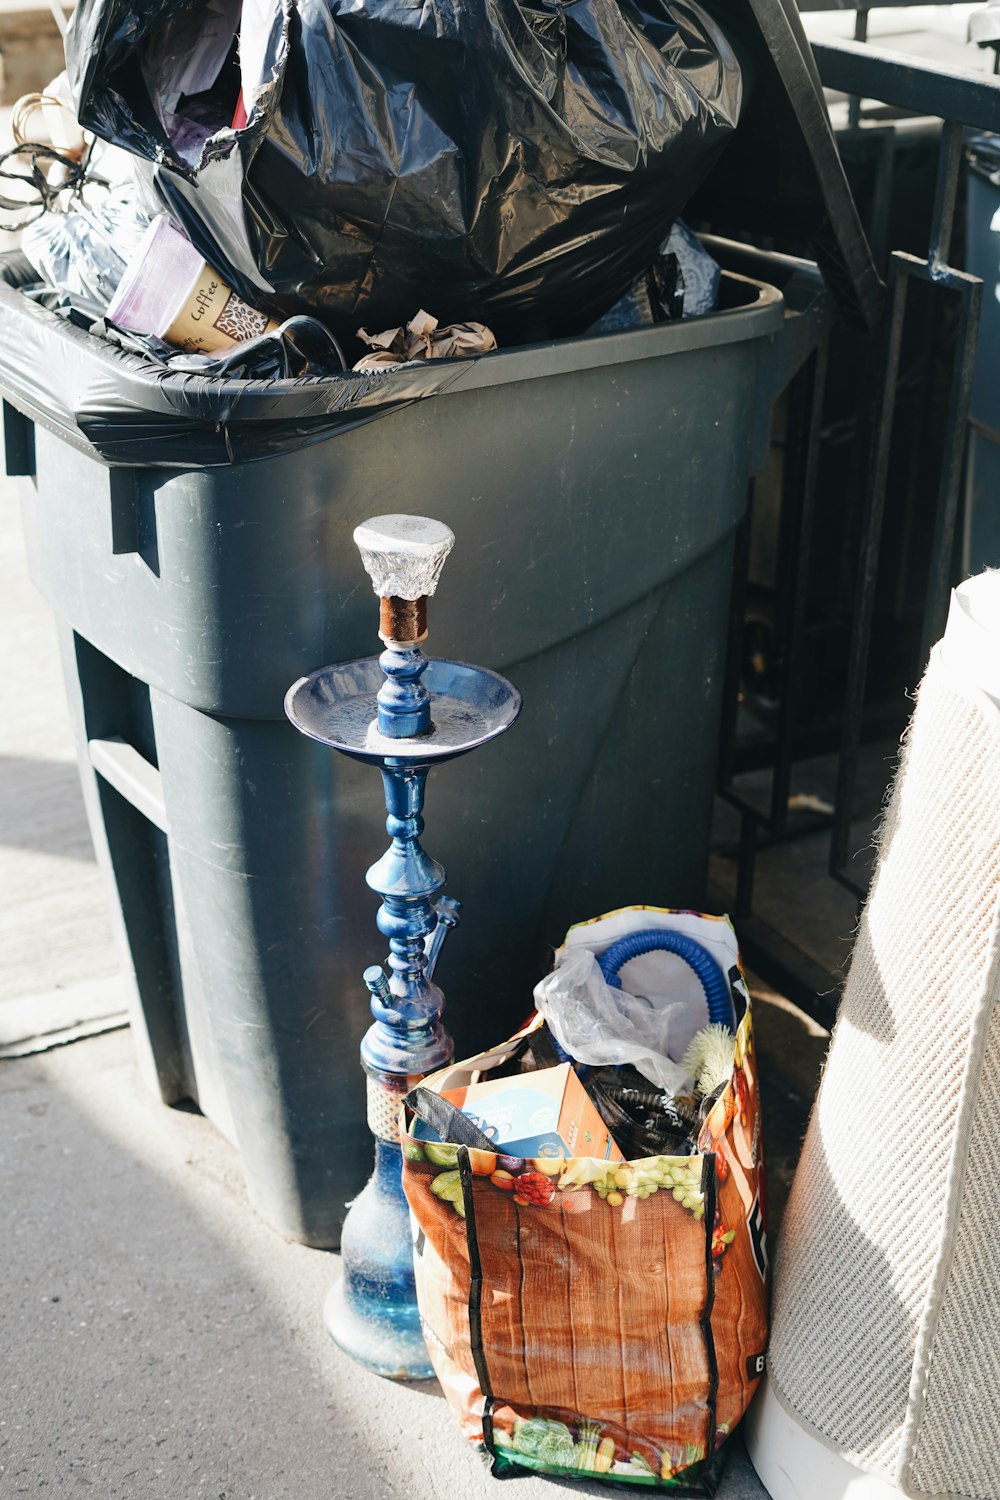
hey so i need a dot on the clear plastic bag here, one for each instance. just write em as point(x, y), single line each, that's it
point(85, 253)
point(599, 1025)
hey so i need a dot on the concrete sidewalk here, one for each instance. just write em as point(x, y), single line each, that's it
point(58, 967)
point(158, 1342)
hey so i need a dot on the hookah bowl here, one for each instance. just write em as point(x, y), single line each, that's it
point(404, 714)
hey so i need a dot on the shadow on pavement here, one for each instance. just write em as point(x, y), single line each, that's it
point(162, 1343)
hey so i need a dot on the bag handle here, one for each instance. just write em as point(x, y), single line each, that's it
point(694, 954)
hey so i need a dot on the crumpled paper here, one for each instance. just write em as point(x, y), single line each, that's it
point(423, 339)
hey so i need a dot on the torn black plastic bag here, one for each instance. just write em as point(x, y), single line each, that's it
point(299, 346)
point(513, 163)
point(125, 410)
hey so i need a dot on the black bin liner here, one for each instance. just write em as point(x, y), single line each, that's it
point(517, 162)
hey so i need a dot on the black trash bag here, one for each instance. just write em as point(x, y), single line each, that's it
point(515, 162)
point(299, 346)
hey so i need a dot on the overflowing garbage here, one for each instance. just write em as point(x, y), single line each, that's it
point(503, 163)
point(205, 173)
point(592, 1259)
point(338, 165)
point(134, 276)
point(86, 253)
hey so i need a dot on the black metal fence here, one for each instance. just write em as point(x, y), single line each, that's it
point(848, 552)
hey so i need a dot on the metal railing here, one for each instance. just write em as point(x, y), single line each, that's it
point(903, 86)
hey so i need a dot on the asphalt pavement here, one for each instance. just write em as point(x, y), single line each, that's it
point(157, 1340)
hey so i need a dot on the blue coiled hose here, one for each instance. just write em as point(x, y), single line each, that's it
point(713, 981)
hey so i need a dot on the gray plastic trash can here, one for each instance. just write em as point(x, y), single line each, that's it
point(594, 487)
point(982, 537)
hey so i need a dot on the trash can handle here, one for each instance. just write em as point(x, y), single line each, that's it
point(18, 442)
point(133, 776)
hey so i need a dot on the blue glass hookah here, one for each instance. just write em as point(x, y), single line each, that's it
point(403, 713)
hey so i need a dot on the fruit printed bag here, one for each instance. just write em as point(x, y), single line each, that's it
point(588, 1316)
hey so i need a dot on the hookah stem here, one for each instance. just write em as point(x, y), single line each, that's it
point(407, 914)
point(408, 1039)
point(402, 620)
point(403, 703)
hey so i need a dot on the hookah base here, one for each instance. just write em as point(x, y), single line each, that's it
point(371, 1312)
point(383, 1335)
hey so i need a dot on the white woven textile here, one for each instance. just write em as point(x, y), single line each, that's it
point(886, 1326)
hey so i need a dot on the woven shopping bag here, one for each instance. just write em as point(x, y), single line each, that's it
point(601, 1318)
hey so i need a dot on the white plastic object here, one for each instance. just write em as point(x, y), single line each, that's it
point(969, 645)
point(601, 1026)
point(792, 1464)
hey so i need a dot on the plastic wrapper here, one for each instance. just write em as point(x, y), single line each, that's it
point(595, 1319)
point(511, 163)
point(699, 272)
point(599, 1025)
point(181, 65)
point(657, 296)
point(682, 282)
point(85, 253)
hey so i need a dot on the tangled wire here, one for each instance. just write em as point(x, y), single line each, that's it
point(43, 173)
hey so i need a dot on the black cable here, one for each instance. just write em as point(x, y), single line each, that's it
point(40, 160)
